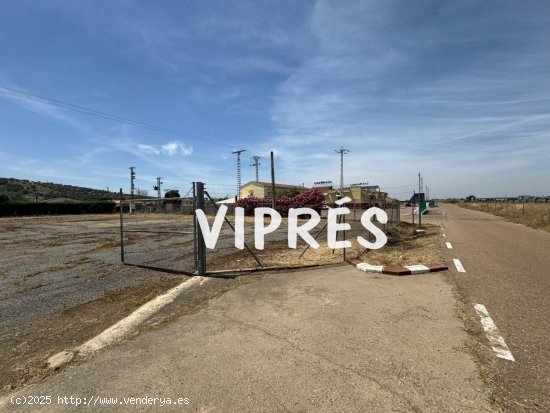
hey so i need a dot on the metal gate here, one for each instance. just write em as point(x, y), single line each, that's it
point(158, 233)
point(161, 234)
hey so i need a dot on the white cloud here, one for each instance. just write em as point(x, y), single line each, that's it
point(168, 149)
point(148, 149)
point(176, 148)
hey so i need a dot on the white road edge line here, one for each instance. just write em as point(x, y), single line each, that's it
point(127, 324)
point(458, 265)
point(491, 331)
point(449, 245)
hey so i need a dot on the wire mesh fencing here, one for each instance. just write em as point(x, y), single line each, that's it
point(227, 256)
point(392, 209)
point(277, 251)
point(158, 233)
point(164, 234)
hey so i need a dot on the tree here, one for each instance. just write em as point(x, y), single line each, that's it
point(312, 198)
point(172, 203)
point(4, 198)
point(172, 193)
point(290, 193)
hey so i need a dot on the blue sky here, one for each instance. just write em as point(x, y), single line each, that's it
point(456, 90)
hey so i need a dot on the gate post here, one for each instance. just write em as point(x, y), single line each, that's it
point(194, 226)
point(201, 247)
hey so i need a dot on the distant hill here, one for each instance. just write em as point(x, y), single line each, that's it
point(24, 190)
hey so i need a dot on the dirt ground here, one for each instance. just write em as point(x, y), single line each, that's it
point(62, 281)
point(404, 247)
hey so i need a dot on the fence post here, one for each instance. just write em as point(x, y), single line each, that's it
point(121, 228)
point(195, 226)
point(201, 247)
point(412, 208)
point(398, 213)
point(344, 238)
point(419, 211)
point(386, 211)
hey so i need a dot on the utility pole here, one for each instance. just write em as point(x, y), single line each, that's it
point(342, 151)
point(132, 179)
point(158, 186)
point(272, 181)
point(419, 200)
point(256, 163)
point(238, 153)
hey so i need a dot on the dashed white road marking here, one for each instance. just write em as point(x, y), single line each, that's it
point(449, 245)
point(458, 265)
point(491, 331)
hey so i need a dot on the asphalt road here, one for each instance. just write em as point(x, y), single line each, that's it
point(330, 339)
point(507, 270)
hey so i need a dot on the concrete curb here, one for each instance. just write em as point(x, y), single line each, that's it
point(406, 270)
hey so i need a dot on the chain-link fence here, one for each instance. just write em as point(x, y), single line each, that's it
point(392, 209)
point(226, 256)
point(158, 233)
point(164, 234)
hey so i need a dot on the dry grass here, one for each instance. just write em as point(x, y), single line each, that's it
point(532, 215)
point(404, 247)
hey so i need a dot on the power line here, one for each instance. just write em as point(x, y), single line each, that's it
point(398, 187)
point(223, 185)
point(92, 112)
